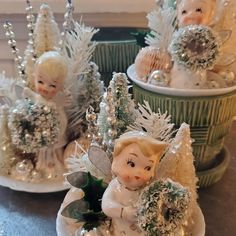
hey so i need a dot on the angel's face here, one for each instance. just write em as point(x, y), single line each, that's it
point(46, 86)
point(132, 168)
point(195, 12)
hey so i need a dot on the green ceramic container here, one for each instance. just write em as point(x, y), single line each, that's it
point(209, 117)
point(115, 51)
point(213, 175)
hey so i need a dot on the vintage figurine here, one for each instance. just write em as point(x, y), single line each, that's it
point(50, 73)
point(136, 156)
point(190, 68)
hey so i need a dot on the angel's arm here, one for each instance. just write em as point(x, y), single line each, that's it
point(63, 99)
point(28, 93)
point(113, 208)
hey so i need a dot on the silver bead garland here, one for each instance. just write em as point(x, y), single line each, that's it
point(68, 24)
point(31, 24)
point(111, 120)
point(12, 43)
point(93, 129)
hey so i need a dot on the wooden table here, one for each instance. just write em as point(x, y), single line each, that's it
point(27, 214)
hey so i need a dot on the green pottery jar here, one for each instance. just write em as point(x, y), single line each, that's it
point(210, 119)
point(115, 51)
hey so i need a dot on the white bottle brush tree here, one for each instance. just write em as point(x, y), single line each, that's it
point(45, 36)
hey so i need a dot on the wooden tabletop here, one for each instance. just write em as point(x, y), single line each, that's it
point(27, 214)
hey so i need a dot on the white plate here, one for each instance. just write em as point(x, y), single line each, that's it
point(176, 92)
point(46, 186)
point(68, 227)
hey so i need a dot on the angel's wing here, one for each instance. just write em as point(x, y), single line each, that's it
point(225, 20)
point(100, 159)
point(95, 161)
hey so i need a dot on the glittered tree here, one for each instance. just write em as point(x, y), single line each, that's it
point(44, 36)
point(116, 109)
point(47, 33)
point(178, 165)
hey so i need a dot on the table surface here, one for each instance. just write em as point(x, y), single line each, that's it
point(27, 214)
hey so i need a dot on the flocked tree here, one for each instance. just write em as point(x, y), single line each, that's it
point(178, 163)
point(116, 109)
point(47, 33)
point(44, 36)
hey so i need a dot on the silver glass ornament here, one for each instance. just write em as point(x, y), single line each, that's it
point(229, 76)
point(22, 169)
point(158, 78)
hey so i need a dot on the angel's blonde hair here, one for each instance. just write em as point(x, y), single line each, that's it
point(53, 64)
point(149, 146)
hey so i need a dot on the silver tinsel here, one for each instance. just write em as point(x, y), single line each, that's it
point(33, 126)
point(196, 47)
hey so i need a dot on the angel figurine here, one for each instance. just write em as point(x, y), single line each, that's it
point(153, 191)
point(200, 46)
point(50, 72)
point(198, 14)
point(135, 158)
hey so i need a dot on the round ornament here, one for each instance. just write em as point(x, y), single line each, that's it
point(195, 47)
point(158, 78)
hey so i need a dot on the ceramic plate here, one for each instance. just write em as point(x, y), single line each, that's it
point(46, 186)
point(176, 92)
point(68, 227)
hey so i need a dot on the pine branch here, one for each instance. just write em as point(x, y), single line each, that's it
point(162, 25)
point(157, 125)
point(79, 48)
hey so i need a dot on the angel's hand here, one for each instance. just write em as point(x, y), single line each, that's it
point(64, 99)
point(129, 213)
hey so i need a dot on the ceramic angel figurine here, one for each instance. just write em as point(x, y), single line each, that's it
point(50, 72)
point(136, 156)
point(189, 13)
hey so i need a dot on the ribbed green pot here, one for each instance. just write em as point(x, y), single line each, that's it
point(114, 56)
point(209, 118)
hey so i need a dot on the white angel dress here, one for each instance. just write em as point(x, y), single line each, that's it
point(50, 159)
point(118, 196)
